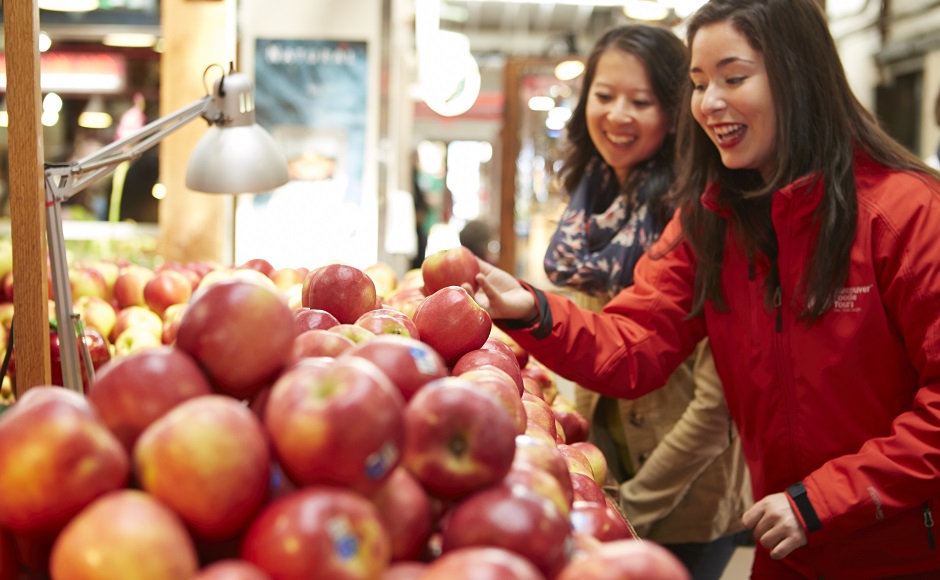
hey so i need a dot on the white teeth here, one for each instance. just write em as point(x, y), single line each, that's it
point(621, 140)
point(727, 129)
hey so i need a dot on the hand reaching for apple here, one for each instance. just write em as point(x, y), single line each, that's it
point(501, 295)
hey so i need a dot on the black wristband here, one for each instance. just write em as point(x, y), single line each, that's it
point(797, 491)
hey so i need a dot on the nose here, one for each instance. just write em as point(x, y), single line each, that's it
point(621, 111)
point(712, 100)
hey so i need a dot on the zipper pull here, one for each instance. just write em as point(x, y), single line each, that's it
point(928, 523)
point(778, 302)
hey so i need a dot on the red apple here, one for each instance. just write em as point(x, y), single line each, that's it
point(522, 356)
point(493, 343)
point(405, 570)
point(172, 317)
point(319, 532)
point(577, 461)
point(406, 300)
point(388, 321)
point(137, 317)
point(409, 363)
point(129, 285)
point(312, 319)
point(344, 291)
point(532, 477)
point(342, 425)
point(532, 387)
point(452, 323)
point(261, 265)
point(208, 460)
point(481, 562)
point(56, 448)
point(586, 489)
point(166, 288)
point(384, 278)
point(406, 510)
point(134, 340)
point(493, 380)
point(594, 519)
point(458, 439)
point(543, 376)
point(86, 281)
point(240, 333)
point(576, 426)
point(318, 343)
point(124, 534)
point(626, 559)
point(450, 267)
point(231, 569)
point(538, 412)
point(487, 357)
point(595, 457)
point(545, 455)
point(536, 530)
point(9, 561)
point(286, 278)
point(354, 333)
point(96, 313)
point(130, 393)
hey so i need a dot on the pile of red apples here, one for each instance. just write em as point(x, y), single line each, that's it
point(344, 425)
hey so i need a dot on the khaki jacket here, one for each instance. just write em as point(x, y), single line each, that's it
point(691, 483)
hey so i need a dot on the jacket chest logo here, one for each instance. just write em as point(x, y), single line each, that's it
point(847, 298)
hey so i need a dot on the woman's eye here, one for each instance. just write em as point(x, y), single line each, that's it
point(735, 80)
point(641, 104)
point(602, 97)
point(698, 87)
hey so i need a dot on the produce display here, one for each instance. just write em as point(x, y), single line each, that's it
point(330, 423)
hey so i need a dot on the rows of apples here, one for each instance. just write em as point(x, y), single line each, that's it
point(344, 425)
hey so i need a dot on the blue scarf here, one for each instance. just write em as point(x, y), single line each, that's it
point(596, 253)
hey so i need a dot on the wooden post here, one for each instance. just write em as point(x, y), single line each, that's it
point(27, 195)
point(192, 224)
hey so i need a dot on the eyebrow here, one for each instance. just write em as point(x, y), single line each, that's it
point(724, 62)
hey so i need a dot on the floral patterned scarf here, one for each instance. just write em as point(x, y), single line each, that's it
point(596, 253)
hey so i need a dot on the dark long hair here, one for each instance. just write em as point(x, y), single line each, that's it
point(666, 60)
point(820, 124)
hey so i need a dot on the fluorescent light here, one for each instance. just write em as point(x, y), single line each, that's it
point(68, 5)
point(646, 10)
point(94, 116)
point(541, 103)
point(129, 39)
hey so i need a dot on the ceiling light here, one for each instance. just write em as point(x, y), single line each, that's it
point(568, 70)
point(94, 116)
point(68, 5)
point(646, 10)
point(45, 43)
point(541, 103)
point(129, 40)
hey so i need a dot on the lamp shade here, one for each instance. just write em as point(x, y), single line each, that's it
point(235, 155)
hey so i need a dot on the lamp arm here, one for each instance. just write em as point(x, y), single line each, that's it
point(63, 181)
point(66, 180)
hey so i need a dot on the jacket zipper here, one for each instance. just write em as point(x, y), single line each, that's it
point(778, 303)
point(928, 523)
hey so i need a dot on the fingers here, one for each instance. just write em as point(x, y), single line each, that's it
point(785, 547)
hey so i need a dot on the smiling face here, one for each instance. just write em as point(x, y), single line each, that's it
point(624, 118)
point(731, 98)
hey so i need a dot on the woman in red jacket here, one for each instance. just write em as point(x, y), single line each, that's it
point(805, 249)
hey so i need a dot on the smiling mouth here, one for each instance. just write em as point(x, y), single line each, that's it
point(728, 134)
point(621, 139)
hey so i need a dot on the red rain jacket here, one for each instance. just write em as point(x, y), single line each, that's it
point(850, 405)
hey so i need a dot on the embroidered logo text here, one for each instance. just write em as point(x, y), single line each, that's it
point(847, 298)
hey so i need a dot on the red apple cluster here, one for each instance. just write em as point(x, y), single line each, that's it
point(315, 438)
